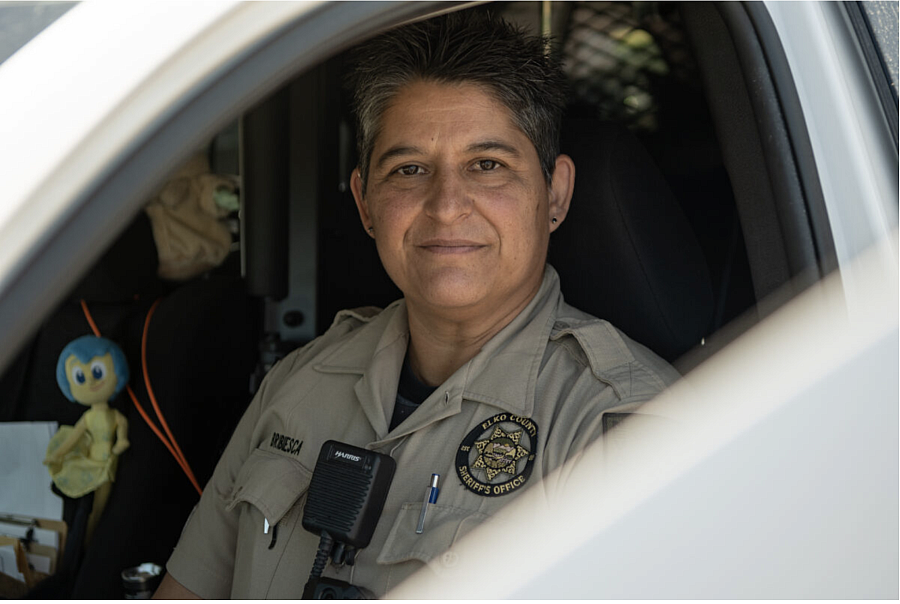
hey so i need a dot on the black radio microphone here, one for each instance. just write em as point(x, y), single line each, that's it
point(346, 496)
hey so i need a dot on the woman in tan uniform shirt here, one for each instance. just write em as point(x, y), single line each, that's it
point(460, 184)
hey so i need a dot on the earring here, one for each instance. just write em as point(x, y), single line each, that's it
point(553, 220)
point(371, 230)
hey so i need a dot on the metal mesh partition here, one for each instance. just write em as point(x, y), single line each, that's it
point(616, 52)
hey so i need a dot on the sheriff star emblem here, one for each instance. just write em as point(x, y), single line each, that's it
point(502, 446)
point(500, 452)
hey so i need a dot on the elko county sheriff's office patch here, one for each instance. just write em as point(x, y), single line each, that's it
point(496, 457)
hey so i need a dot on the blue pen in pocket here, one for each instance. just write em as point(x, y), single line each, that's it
point(431, 495)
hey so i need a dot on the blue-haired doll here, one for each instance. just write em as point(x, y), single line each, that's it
point(83, 458)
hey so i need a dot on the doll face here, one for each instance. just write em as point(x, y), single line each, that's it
point(92, 382)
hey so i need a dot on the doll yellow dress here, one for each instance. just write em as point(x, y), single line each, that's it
point(82, 459)
point(90, 463)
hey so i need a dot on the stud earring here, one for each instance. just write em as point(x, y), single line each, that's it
point(553, 220)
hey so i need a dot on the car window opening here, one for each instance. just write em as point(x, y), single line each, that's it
point(271, 248)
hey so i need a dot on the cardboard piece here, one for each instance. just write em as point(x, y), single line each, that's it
point(25, 562)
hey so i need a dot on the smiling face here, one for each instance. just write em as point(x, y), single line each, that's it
point(92, 382)
point(460, 210)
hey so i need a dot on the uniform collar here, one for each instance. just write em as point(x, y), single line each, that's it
point(375, 351)
point(503, 374)
point(381, 335)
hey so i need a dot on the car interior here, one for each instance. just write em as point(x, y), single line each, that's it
point(696, 213)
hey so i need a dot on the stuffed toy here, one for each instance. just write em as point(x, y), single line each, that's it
point(82, 459)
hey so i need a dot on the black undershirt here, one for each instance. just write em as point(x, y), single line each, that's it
point(410, 394)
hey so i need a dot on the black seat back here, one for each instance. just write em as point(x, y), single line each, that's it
point(626, 253)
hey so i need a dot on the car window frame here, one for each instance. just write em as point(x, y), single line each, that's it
point(873, 51)
point(855, 157)
point(51, 267)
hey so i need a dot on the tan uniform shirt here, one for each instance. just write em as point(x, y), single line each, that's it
point(529, 401)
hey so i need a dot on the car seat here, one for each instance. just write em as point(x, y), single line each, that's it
point(626, 253)
point(201, 349)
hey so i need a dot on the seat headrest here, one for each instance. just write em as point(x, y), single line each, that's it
point(626, 253)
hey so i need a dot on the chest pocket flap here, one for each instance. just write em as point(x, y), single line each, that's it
point(271, 483)
point(444, 525)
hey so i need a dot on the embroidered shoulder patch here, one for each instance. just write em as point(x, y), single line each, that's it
point(497, 456)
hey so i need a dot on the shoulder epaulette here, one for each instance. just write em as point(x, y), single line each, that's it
point(363, 314)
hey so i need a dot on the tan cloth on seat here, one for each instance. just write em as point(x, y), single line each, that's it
point(187, 224)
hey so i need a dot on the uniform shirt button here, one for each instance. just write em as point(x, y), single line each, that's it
point(449, 559)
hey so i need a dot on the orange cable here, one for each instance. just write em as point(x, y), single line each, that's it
point(179, 456)
point(96, 330)
point(162, 420)
point(90, 319)
point(153, 426)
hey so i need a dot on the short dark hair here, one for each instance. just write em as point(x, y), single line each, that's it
point(463, 47)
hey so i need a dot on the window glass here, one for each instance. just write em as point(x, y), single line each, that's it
point(883, 18)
